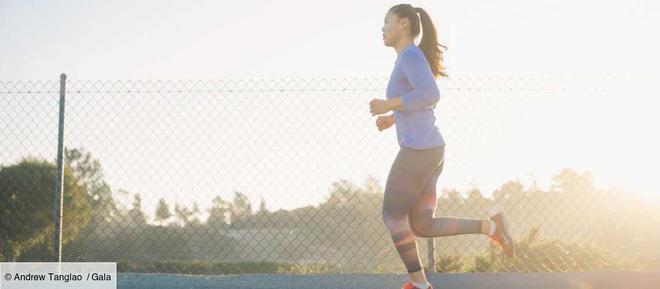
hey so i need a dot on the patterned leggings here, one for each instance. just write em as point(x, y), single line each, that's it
point(410, 192)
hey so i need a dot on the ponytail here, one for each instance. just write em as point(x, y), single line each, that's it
point(429, 44)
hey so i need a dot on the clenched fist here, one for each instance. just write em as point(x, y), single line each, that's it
point(384, 122)
point(379, 106)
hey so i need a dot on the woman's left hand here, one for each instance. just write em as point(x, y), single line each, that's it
point(379, 106)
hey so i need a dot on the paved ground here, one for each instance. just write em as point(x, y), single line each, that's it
point(503, 280)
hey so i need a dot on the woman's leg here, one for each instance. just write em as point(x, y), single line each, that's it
point(423, 223)
point(408, 176)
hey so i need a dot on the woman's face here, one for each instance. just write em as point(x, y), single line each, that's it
point(392, 29)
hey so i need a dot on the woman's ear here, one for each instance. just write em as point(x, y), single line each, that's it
point(403, 23)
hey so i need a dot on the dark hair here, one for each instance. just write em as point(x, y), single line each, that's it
point(429, 43)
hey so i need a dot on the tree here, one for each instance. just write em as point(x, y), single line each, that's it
point(371, 186)
point(262, 206)
point(474, 196)
point(88, 171)
point(570, 182)
point(187, 216)
point(452, 195)
point(182, 213)
point(27, 195)
point(194, 214)
point(218, 213)
point(342, 193)
point(135, 214)
point(241, 209)
point(513, 190)
point(162, 211)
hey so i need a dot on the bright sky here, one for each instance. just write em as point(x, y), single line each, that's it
point(217, 39)
point(108, 40)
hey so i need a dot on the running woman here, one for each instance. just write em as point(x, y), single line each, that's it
point(410, 191)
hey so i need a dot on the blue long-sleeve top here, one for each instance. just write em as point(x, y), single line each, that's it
point(413, 81)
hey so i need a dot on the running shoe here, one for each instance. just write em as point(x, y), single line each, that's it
point(501, 235)
point(410, 285)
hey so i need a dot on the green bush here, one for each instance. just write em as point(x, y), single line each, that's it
point(220, 268)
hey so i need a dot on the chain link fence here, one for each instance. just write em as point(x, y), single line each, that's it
point(287, 175)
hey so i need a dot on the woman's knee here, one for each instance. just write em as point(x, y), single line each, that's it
point(387, 217)
point(392, 220)
point(418, 226)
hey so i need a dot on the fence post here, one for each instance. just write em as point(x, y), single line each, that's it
point(431, 255)
point(59, 188)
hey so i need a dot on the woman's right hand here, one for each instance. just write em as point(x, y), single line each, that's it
point(384, 122)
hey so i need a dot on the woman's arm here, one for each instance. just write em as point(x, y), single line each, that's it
point(395, 104)
point(425, 91)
